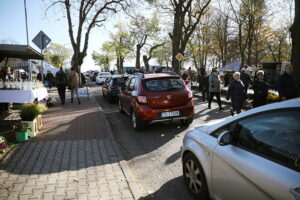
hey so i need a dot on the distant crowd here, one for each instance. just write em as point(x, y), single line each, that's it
point(209, 85)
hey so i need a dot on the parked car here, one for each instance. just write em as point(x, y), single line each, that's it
point(112, 86)
point(253, 155)
point(153, 98)
point(102, 76)
point(94, 75)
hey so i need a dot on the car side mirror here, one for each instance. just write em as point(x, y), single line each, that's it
point(225, 138)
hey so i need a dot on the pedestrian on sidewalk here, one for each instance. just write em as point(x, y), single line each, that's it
point(214, 88)
point(73, 78)
point(61, 81)
point(205, 86)
point(260, 88)
point(50, 79)
point(236, 92)
point(287, 84)
point(246, 79)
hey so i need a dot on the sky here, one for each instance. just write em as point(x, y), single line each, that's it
point(13, 27)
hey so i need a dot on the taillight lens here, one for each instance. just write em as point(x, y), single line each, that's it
point(142, 99)
point(113, 87)
point(190, 94)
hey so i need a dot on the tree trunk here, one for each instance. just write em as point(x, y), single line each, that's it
point(121, 64)
point(146, 62)
point(138, 55)
point(176, 38)
point(295, 34)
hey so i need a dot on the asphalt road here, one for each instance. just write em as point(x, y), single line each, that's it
point(154, 154)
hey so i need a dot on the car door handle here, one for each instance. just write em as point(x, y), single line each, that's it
point(295, 192)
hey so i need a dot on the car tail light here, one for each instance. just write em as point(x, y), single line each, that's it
point(142, 99)
point(190, 94)
point(113, 87)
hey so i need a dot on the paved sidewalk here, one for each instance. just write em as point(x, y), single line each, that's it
point(73, 157)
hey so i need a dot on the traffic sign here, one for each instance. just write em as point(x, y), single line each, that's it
point(41, 40)
point(179, 56)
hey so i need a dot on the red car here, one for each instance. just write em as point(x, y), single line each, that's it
point(152, 98)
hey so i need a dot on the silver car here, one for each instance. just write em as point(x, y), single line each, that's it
point(252, 156)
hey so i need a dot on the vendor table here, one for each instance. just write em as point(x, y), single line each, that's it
point(23, 96)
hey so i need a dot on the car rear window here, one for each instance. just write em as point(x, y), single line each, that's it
point(162, 85)
point(105, 74)
point(119, 81)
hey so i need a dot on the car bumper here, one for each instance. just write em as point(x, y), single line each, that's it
point(144, 112)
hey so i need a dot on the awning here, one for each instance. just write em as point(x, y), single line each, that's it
point(19, 51)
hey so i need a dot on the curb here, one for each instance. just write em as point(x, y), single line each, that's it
point(124, 166)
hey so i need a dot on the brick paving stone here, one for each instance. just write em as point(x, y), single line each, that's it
point(70, 159)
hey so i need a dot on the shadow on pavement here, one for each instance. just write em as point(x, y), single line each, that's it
point(170, 190)
point(72, 139)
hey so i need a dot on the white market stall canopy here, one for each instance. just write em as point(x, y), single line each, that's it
point(50, 68)
point(235, 66)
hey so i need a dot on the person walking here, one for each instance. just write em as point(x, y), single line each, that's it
point(214, 88)
point(236, 92)
point(49, 79)
point(61, 81)
point(260, 88)
point(246, 79)
point(73, 78)
point(205, 86)
point(287, 84)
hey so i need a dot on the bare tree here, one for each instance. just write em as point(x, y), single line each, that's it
point(295, 33)
point(146, 58)
point(85, 15)
point(186, 16)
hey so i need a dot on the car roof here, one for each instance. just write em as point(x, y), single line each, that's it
point(293, 103)
point(160, 75)
point(119, 76)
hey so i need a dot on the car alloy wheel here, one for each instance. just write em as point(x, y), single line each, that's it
point(137, 124)
point(133, 120)
point(194, 177)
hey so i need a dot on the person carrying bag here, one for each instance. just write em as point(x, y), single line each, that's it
point(74, 84)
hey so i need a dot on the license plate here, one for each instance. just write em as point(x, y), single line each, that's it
point(170, 114)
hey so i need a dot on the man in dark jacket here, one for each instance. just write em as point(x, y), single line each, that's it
point(246, 79)
point(61, 81)
point(287, 84)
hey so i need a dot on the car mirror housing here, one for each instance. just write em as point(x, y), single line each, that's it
point(225, 138)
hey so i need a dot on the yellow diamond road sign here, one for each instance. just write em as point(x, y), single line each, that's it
point(179, 56)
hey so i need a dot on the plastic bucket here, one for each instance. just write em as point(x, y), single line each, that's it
point(22, 136)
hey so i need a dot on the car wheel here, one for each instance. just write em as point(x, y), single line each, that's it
point(137, 124)
point(121, 108)
point(194, 177)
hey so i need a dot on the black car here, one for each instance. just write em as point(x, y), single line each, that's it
point(112, 86)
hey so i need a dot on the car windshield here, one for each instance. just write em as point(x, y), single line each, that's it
point(119, 81)
point(162, 85)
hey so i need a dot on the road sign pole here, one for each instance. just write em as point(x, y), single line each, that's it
point(42, 63)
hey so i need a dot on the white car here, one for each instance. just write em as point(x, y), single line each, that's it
point(253, 155)
point(102, 76)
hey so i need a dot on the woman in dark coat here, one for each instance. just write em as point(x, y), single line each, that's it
point(260, 88)
point(236, 91)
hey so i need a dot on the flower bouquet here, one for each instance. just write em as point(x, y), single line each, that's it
point(50, 102)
